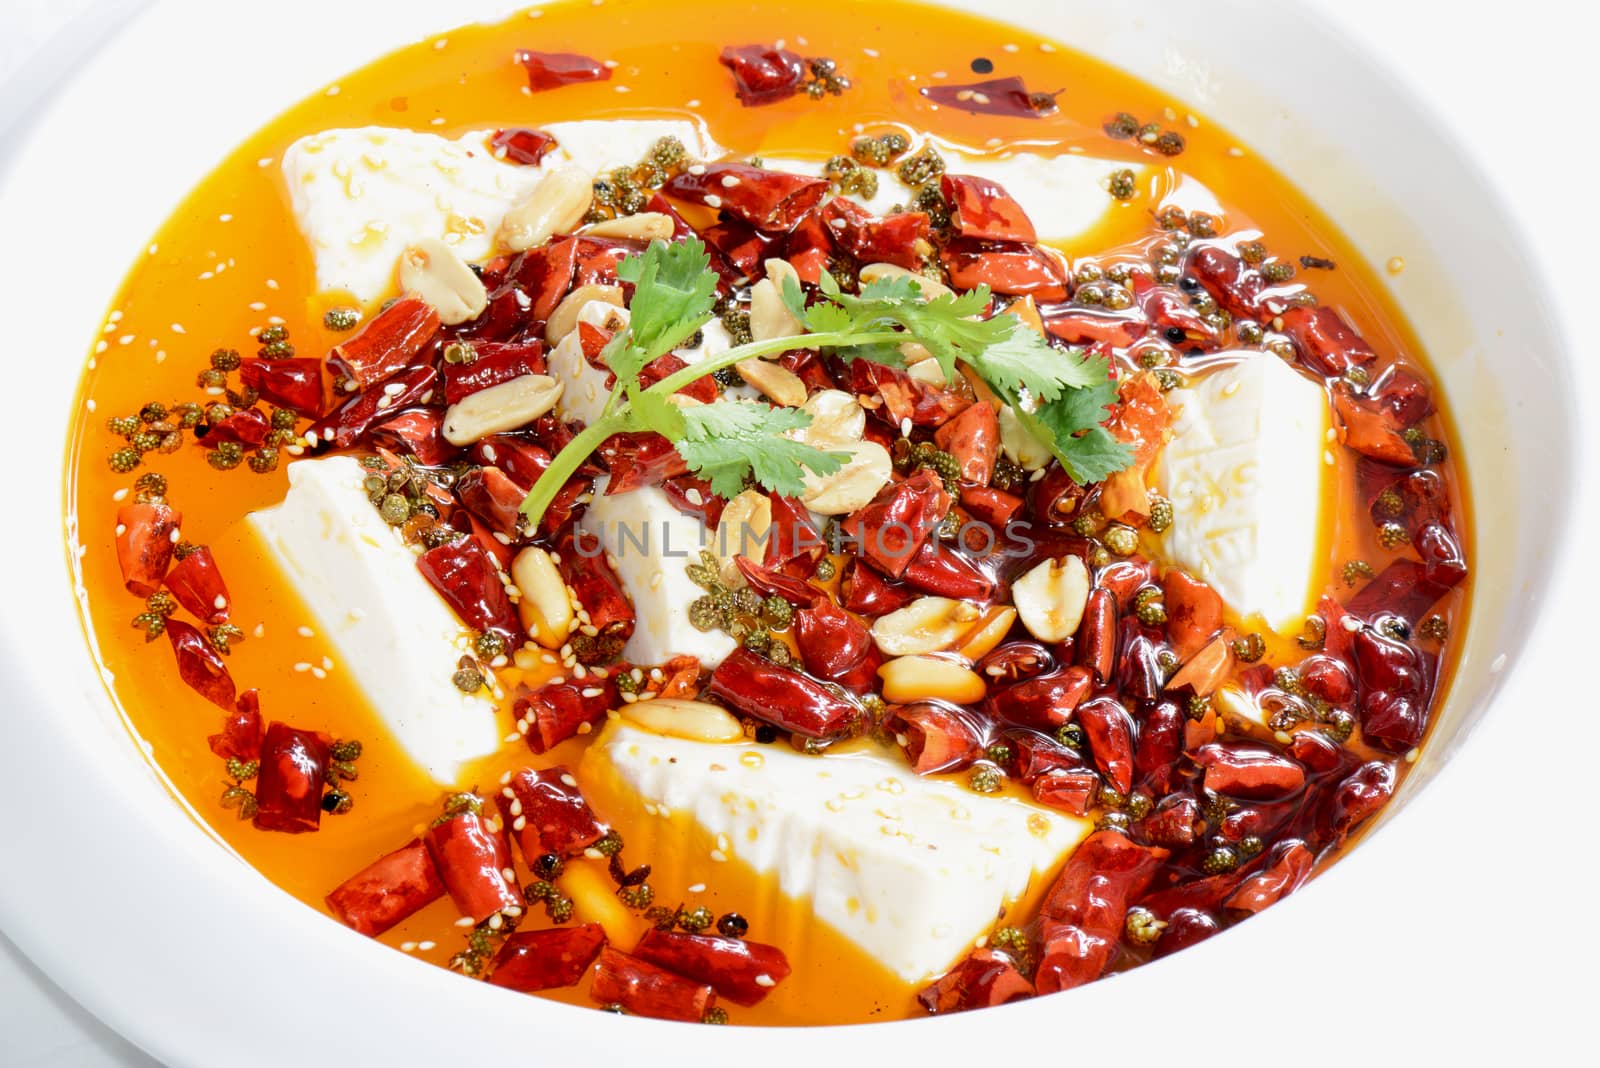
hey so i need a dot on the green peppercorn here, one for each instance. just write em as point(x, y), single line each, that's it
point(1121, 126)
point(921, 168)
point(150, 487)
point(1341, 724)
point(152, 623)
point(1088, 524)
point(1070, 735)
point(733, 925)
point(211, 378)
point(986, 779)
point(226, 456)
point(1434, 628)
point(467, 680)
point(395, 509)
point(1147, 605)
point(1389, 503)
point(1202, 224)
point(715, 1015)
point(1357, 377)
point(243, 769)
point(999, 754)
point(238, 797)
point(1250, 332)
point(1120, 539)
point(1114, 821)
point(636, 897)
point(1250, 648)
point(825, 570)
point(1122, 185)
point(337, 802)
point(264, 460)
point(223, 636)
point(609, 845)
point(1170, 143)
point(1139, 805)
point(1168, 379)
point(489, 645)
point(1198, 706)
point(695, 920)
point(1249, 846)
point(777, 612)
point(1356, 570)
point(779, 654)
point(1141, 927)
point(1220, 861)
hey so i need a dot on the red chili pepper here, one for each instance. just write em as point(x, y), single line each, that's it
point(646, 990)
point(596, 259)
point(247, 426)
point(146, 534)
point(473, 860)
point(973, 439)
point(294, 769)
point(1229, 280)
point(1016, 660)
point(584, 567)
point(767, 200)
point(890, 529)
point(521, 145)
point(640, 459)
point(794, 544)
point(905, 399)
point(196, 582)
point(1327, 343)
point(703, 389)
point(1177, 823)
point(1394, 691)
point(768, 583)
point(420, 433)
point(1044, 702)
point(808, 248)
point(543, 276)
point(1083, 914)
point(1402, 589)
point(494, 363)
point(1141, 676)
point(992, 507)
point(1363, 792)
point(1070, 790)
point(1097, 635)
point(199, 665)
point(558, 710)
point(1404, 394)
point(1013, 268)
point(466, 577)
point(1007, 97)
point(873, 239)
point(387, 344)
point(744, 972)
point(1327, 678)
point(1284, 875)
point(1250, 772)
point(983, 979)
point(781, 696)
point(940, 570)
point(742, 247)
point(982, 209)
point(554, 816)
point(1078, 324)
point(343, 427)
point(763, 75)
point(1371, 429)
point(1172, 317)
point(836, 646)
point(1034, 755)
point(935, 736)
point(531, 961)
point(1161, 738)
point(388, 890)
point(552, 70)
point(518, 457)
point(241, 734)
point(1110, 732)
point(1444, 565)
point(868, 593)
point(292, 383)
point(1185, 927)
point(1318, 753)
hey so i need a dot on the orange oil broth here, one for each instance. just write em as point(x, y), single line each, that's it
point(231, 257)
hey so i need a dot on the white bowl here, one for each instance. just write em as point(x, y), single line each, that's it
point(117, 893)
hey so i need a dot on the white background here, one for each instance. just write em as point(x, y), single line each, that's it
point(1507, 951)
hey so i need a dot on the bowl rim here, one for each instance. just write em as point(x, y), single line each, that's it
point(139, 1010)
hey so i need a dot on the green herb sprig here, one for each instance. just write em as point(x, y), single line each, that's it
point(1062, 396)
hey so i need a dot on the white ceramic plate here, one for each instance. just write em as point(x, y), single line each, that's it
point(115, 891)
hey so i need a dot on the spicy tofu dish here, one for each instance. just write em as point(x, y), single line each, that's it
point(738, 515)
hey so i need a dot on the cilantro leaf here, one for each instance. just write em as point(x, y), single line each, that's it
point(724, 441)
point(1070, 426)
point(673, 291)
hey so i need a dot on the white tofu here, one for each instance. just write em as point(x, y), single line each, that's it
point(584, 391)
point(1064, 196)
point(360, 196)
point(1250, 476)
point(652, 544)
point(910, 869)
point(391, 630)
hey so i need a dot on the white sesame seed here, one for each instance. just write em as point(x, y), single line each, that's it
point(765, 980)
point(713, 201)
point(425, 946)
point(302, 667)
